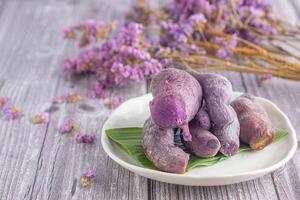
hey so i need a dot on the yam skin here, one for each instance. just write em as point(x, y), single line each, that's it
point(203, 119)
point(256, 127)
point(177, 98)
point(204, 144)
point(217, 91)
point(159, 148)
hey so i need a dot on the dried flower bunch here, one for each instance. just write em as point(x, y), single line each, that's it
point(116, 60)
point(239, 35)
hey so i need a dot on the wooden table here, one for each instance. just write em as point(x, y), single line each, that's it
point(36, 162)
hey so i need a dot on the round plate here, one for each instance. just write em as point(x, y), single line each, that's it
point(241, 167)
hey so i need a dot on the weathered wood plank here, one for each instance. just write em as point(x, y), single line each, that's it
point(296, 7)
point(37, 162)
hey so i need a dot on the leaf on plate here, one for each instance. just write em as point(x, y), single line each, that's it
point(130, 139)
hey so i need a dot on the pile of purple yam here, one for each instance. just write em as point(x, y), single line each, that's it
point(200, 105)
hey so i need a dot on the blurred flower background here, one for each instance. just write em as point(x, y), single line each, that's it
point(235, 35)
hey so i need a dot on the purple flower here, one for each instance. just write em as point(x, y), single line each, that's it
point(98, 91)
point(214, 15)
point(85, 138)
point(4, 102)
point(141, 12)
point(197, 18)
point(11, 113)
point(226, 45)
point(72, 97)
point(115, 101)
point(69, 33)
point(41, 118)
point(183, 9)
point(266, 77)
point(90, 31)
point(89, 174)
point(86, 178)
point(222, 53)
point(67, 126)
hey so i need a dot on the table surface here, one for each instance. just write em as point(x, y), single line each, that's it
point(36, 162)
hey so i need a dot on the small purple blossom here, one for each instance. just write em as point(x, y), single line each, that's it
point(85, 138)
point(89, 174)
point(222, 53)
point(67, 126)
point(182, 10)
point(90, 31)
point(197, 18)
point(72, 97)
point(69, 33)
point(4, 102)
point(175, 35)
point(226, 45)
point(99, 91)
point(266, 77)
point(115, 101)
point(86, 178)
point(11, 113)
point(141, 12)
point(41, 118)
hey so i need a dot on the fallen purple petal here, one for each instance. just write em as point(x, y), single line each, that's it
point(67, 126)
point(85, 138)
point(86, 178)
point(72, 97)
point(58, 100)
point(114, 102)
point(4, 102)
point(11, 113)
point(41, 118)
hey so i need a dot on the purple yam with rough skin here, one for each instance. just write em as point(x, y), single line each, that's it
point(177, 98)
point(202, 118)
point(217, 91)
point(256, 127)
point(204, 144)
point(159, 148)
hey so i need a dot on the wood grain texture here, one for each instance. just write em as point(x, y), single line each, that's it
point(36, 162)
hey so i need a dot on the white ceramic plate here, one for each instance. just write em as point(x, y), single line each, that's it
point(242, 167)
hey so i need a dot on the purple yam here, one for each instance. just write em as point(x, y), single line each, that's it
point(217, 91)
point(202, 118)
point(204, 143)
point(159, 148)
point(177, 98)
point(256, 127)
